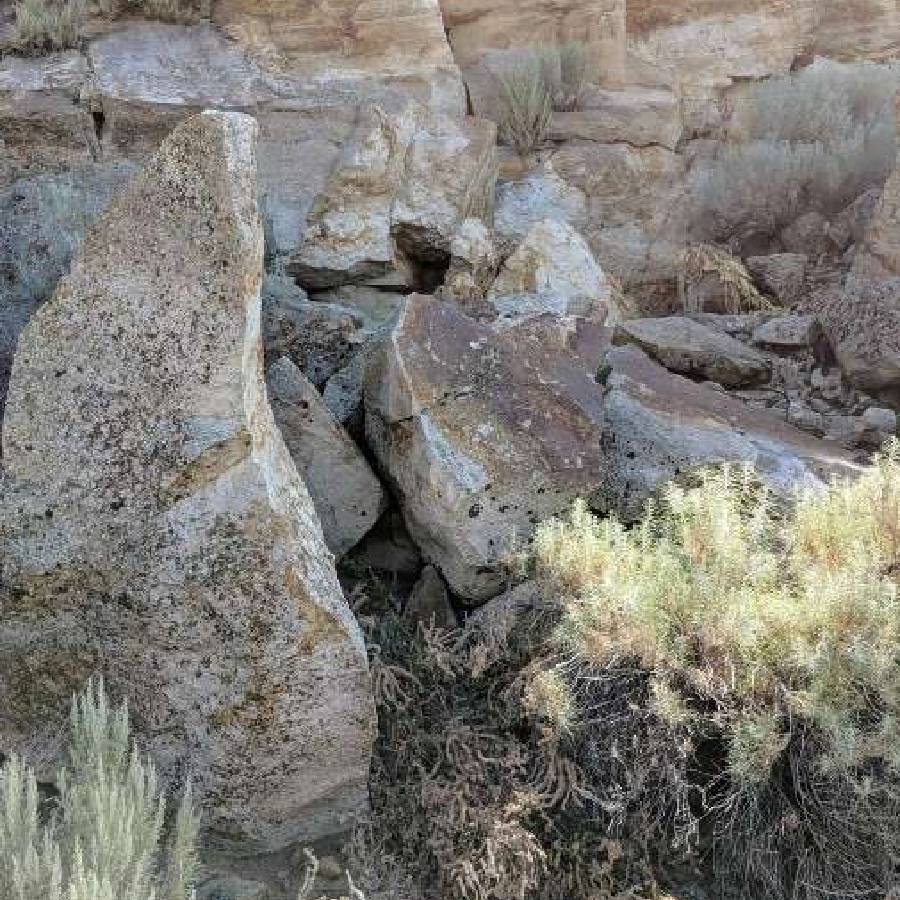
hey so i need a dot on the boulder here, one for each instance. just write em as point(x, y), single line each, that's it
point(154, 527)
point(345, 491)
point(482, 434)
point(473, 265)
point(788, 334)
point(405, 182)
point(780, 274)
point(689, 348)
point(809, 236)
point(659, 425)
point(862, 323)
point(878, 255)
point(555, 265)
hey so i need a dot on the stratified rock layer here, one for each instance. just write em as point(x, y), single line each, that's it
point(154, 527)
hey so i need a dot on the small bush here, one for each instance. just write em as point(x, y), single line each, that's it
point(42, 25)
point(100, 839)
point(703, 261)
point(814, 140)
point(533, 84)
point(774, 635)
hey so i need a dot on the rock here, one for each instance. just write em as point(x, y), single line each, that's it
point(862, 323)
point(690, 348)
point(806, 419)
point(406, 181)
point(780, 274)
point(637, 116)
point(387, 550)
point(482, 435)
point(879, 424)
point(849, 226)
point(343, 392)
point(155, 528)
point(555, 264)
point(659, 425)
point(347, 495)
point(538, 196)
point(809, 236)
point(878, 255)
point(787, 334)
point(42, 221)
point(450, 176)
point(473, 265)
point(428, 603)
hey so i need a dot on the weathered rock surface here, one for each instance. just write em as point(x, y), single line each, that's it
point(406, 181)
point(555, 266)
point(42, 220)
point(154, 526)
point(473, 265)
point(483, 435)
point(780, 274)
point(788, 333)
point(689, 348)
point(879, 254)
point(659, 425)
point(345, 491)
point(428, 604)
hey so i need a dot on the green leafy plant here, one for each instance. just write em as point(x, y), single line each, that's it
point(100, 839)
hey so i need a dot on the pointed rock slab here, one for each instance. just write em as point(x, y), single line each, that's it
point(659, 425)
point(347, 495)
point(154, 527)
point(483, 433)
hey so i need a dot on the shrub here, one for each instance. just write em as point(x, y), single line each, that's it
point(48, 24)
point(99, 840)
point(534, 83)
point(814, 140)
point(772, 635)
point(703, 261)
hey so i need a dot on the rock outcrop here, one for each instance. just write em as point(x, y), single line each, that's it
point(482, 433)
point(347, 495)
point(154, 527)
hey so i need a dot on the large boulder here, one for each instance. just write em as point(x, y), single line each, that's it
point(556, 266)
point(154, 527)
point(878, 256)
point(691, 348)
point(347, 495)
point(406, 181)
point(482, 433)
point(658, 426)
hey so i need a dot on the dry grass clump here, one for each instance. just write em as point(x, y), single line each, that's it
point(702, 261)
point(483, 788)
point(812, 140)
point(43, 25)
point(535, 82)
point(772, 638)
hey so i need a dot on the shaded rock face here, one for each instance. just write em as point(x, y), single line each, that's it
point(347, 495)
point(154, 526)
point(42, 220)
point(482, 433)
point(659, 425)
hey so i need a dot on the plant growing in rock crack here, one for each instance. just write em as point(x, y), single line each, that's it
point(99, 839)
point(535, 82)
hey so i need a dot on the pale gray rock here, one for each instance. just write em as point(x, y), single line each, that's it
point(154, 526)
point(780, 274)
point(659, 426)
point(788, 333)
point(689, 348)
point(345, 491)
point(555, 266)
point(473, 265)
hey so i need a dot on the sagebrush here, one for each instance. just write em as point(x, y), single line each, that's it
point(809, 141)
point(101, 836)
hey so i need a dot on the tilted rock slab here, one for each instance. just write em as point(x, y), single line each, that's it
point(483, 433)
point(154, 527)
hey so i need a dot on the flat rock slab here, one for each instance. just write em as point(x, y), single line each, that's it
point(689, 348)
point(347, 495)
point(788, 333)
point(483, 433)
point(659, 426)
point(154, 526)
